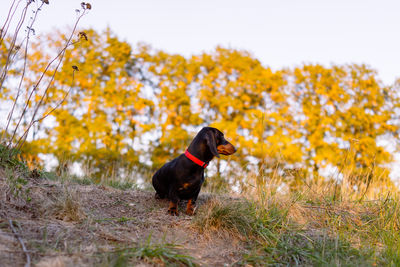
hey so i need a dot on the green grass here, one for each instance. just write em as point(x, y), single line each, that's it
point(121, 185)
point(309, 227)
point(85, 180)
point(17, 174)
point(10, 158)
point(299, 248)
point(158, 254)
point(81, 180)
point(237, 217)
point(300, 230)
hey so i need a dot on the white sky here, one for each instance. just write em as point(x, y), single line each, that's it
point(280, 33)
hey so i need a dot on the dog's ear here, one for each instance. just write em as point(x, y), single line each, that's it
point(211, 142)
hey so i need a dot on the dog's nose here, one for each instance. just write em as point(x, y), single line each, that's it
point(233, 148)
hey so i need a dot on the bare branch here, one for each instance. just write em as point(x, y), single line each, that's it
point(62, 100)
point(9, 117)
point(22, 139)
point(12, 46)
point(10, 15)
point(28, 258)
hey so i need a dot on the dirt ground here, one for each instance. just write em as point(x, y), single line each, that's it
point(68, 224)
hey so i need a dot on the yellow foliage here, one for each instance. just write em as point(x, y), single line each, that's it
point(306, 117)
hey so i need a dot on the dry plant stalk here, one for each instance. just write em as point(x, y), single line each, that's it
point(13, 51)
point(17, 236)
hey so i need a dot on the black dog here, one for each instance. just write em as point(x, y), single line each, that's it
point(182, 177)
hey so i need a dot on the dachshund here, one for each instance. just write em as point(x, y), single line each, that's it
point(183, 177)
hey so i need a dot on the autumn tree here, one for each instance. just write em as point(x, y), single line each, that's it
point(133, 107)
point(247, 101)
point(169, 78)
point(344, 111)
point(98, 126)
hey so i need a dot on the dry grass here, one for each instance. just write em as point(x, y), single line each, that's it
point(321, 223)
point(64, 206)
point(69, 224)
point(234, 217)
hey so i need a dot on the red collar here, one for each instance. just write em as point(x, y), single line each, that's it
point(196, 160)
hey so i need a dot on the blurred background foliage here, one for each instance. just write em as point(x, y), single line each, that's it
point(132, 108)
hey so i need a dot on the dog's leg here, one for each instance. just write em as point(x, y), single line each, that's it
point(191, 206)
point(173, 202)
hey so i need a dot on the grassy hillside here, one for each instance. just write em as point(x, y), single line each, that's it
point(61, 221)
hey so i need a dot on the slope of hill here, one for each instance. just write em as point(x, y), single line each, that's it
point(69, 224)
point(59, 221)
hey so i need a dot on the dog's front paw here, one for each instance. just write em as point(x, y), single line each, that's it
point(173, 208)
point(173, 211)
